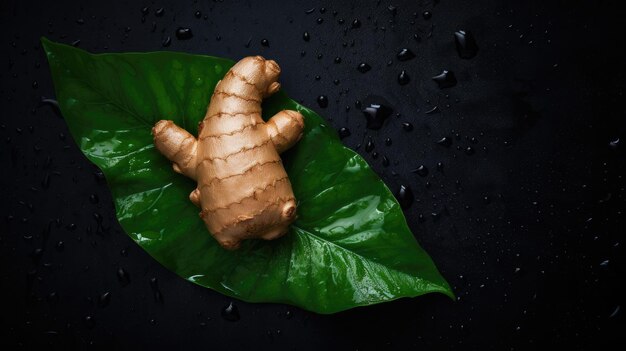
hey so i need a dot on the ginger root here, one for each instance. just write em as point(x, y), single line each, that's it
point(243, 190)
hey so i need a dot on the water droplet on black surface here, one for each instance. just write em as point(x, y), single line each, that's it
point(614, 143)
point(427, 15)
point(53, 297)
point(407, 126)
point(469, 150)
point(369, 146)
point(123, 276)
point(405, 54)
point(356, 23)
point(306, 36)
point(363, 67)
point(159, 12)
point(376, 114)
point(322, 100)
point(60, 246)
point(337, 59)
point(445, 80)
point(440, 166)
point(405, 196)
point(104, 299)
point(615, 312)
point(35, 85)
point(319, 20)
point(403, 78)
point(421, 171)
point(465, 44)
point(231, 312)
point(90, 322)
point(265, 42)
point(93, 198)
point(433, 110)
point(344, 133)
point(45, 183)
point(166, 42)
point(145, 10)
point(198, 14)
point(435, 216)
point(183, 33)
point(445, 141)
point(53, 104)
point(309, 11)
point(388, 141)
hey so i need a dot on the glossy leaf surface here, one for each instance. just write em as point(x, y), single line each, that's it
point(350, 245)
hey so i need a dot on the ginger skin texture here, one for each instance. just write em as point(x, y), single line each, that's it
point(243, 190)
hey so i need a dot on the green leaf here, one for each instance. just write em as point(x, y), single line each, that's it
point(350, 246)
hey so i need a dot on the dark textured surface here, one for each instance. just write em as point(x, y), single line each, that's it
point(526, 228)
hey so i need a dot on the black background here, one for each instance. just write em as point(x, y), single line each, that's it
point(527, 229)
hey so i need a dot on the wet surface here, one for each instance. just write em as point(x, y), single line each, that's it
point(517, 192)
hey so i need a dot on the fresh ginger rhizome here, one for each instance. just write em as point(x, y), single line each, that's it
point(243, 190)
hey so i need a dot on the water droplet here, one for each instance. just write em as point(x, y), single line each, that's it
point(198, 14)
point(344, 133)
point(403, 78)
point(356, 23)
point(53, 297)
point(469, 150)
point(104, 299)
point(604, 263)
point(421, 171)
point(407, 126)
point(166, 42)
point(90, 322)
point(159, 12)
point(123, 276)
point(385, 161)
point(93, 198)
point(405, 54)
point(376, 114)
point(388, 142)
point(440, 167)
point(337, 59)
point(465, 44)
point(183, 33)
point(309, 11)
point(322, 100)
point(427, 15)
point(369, 146)
point(35, 85)
point(614, 143)
point(363, 67)
point(392, 9)
point(445, 79)
point(306, 36)
point(435, 216)
point(231, 312)
point(145, 10)
point(404, 196)
point(265, 42)
point(433, 110)
point(53, 104)
point(445, 141)
point(615, 312)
